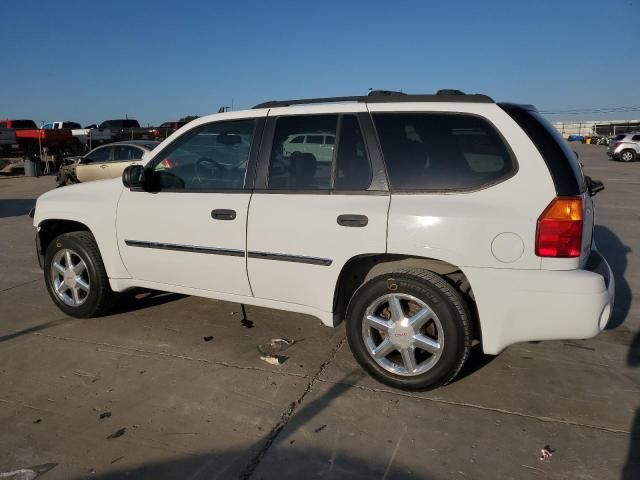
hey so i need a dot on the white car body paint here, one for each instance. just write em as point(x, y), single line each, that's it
point(525, 298)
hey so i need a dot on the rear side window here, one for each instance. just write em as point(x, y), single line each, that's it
point(560, 159)
point(440, 151)
point(635, 138)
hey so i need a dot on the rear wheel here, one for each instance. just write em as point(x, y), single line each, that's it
point(75, 275)
point(627, 155)
point(409, 329)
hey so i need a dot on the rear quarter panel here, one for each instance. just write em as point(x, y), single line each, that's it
point(460, 228)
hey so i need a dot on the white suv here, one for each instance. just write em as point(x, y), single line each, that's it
point(440, 221)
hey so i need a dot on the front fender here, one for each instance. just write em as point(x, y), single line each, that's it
point(94, 205)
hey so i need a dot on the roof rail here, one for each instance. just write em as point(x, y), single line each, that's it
point(386, 96)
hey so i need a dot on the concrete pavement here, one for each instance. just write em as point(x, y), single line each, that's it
point(183, 407)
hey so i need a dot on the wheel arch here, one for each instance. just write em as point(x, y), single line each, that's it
point(52, 227)
point(357, 270)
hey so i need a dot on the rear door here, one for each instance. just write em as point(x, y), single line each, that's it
point(313, 210)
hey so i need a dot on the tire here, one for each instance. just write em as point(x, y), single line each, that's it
point(627, 156)
point(93, 295)
point(449, 327)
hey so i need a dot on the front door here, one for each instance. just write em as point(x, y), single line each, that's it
point(93, 163)
point(313, 210)
point(190, 230)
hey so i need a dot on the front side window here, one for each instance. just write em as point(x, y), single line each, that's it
point(209, 157)
point(99, 155)
point(433, 151)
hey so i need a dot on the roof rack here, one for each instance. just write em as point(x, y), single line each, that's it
point(386, 96)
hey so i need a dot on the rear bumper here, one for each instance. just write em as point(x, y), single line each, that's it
point(527, 305)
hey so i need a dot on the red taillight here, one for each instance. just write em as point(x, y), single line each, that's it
point(559, 232)
point(155, 132)
point(615, 144)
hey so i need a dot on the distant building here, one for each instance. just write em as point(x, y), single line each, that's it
point(599, 127)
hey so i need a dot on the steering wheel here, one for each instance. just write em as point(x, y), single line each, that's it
point(207, 170)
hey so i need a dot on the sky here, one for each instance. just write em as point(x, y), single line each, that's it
point(160, 60)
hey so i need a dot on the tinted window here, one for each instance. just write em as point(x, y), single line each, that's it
point(302, 165)
point(209, 157)
point(23, 124)
point(561, 161)
point(298, 139)
point(71, 125)
point(126, 152)
point(47, 126)
point(620, 137)
point(635, 138)
point(99, 155)
point(431, 151)
point(352, 164)
point(330, 140)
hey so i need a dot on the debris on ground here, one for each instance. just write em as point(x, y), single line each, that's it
point(546, 453)
point(275, 346)
point(118, 433)
point(28, 473)
point(117, 459)
point(320, 428)
point(208, 338)
point(142, 371)
point(274, 359)
point(104, 415)
point(37, 421)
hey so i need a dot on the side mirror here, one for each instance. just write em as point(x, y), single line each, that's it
point(133, 177)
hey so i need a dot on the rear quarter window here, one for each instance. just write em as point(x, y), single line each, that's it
point(442, 151)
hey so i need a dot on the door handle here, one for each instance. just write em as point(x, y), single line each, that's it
point(223, 214)
point(103, 166)
point(353, 220)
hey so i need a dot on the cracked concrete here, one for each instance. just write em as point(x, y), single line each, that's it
point(213, 410)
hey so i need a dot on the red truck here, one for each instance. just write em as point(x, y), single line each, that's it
point(31, 138)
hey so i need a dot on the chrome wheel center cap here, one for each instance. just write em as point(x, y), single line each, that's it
point(69, 279)
point(401, 335)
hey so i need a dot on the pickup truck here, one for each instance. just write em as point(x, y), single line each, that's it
point(128, 129)
point(7, 140)
point(87, 137)
point(30, 138)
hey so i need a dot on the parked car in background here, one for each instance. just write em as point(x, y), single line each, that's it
point(441, 221)
point(320, 144)
point(129, 129)
point(167, 128)
point(30, 138)
point(625, 147)
point(8, 142)
point(87, 138)
point(106, 161)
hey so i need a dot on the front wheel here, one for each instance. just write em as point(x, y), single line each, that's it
point(627, 156)
point(75, 275)
point(410, 329)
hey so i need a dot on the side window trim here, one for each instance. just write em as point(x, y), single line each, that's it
point(378, 184)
